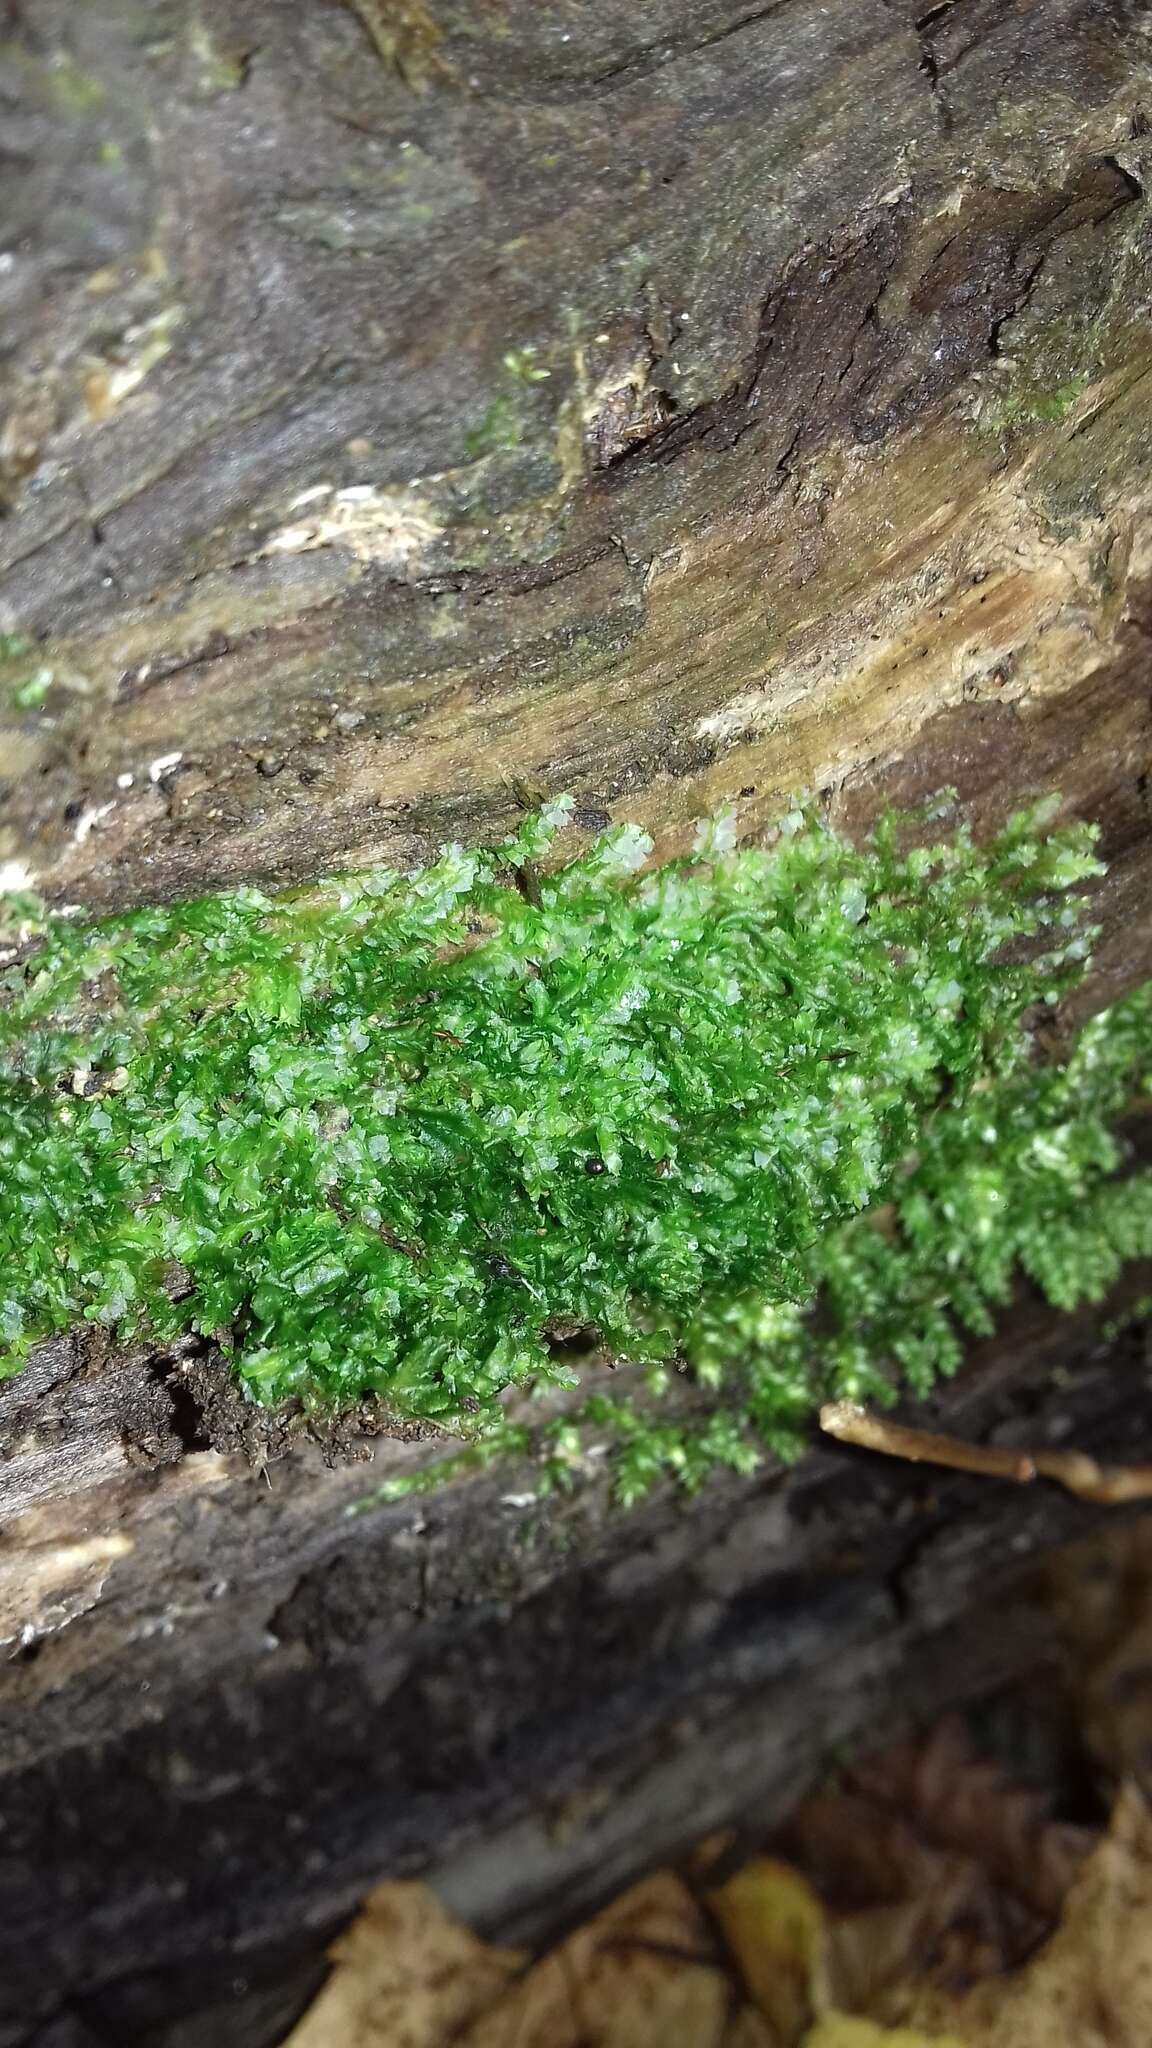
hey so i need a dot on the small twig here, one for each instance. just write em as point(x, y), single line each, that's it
point(1075, 1470)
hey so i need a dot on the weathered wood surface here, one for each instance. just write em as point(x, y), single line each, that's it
point(788, 507)
point(839, 477)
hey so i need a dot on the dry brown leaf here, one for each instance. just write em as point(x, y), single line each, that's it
point(898, 1908)
point(900, 1911)
point(933, 1868)
point(642, 1974)
point(406, 1975)
point(879, 1961)
point(967, 1806)
point(1091, 1984)
point(889, 1968)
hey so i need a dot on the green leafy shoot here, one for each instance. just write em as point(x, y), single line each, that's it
point(395, 1134)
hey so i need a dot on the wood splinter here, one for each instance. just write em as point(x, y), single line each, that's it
point(1075, 1470)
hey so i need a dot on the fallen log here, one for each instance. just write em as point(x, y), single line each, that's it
point(406, 412)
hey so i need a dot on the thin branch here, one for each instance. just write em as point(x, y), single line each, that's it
point(1108, 1484)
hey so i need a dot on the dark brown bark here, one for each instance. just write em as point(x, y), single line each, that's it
point(838, 478)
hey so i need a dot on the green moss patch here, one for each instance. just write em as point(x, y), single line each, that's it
point(400, 1134)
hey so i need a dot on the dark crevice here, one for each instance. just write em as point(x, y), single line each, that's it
point(570, 1347)
point(1133, 189)
point(513, 580)
point(1027, 281)
point(135, 683)
point(244, 60)
point(109, 568)
point(186, 1418)
point(931, 71)
point(656, 56)
point(28, 1648)
point(928, 64)
point(784, 460)
point(933, 14)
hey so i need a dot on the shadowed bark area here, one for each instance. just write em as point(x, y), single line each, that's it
point(409, 408)
point(233, 1706)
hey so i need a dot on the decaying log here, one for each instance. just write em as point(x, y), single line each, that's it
point(406, 410)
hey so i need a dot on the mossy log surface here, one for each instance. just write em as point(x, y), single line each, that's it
point(407, 411)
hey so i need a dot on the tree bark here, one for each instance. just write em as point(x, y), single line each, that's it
point(408, 410)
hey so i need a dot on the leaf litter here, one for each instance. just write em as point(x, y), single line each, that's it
point(927, 1896)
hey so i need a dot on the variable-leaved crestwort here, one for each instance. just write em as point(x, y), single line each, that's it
point(391, 1133)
